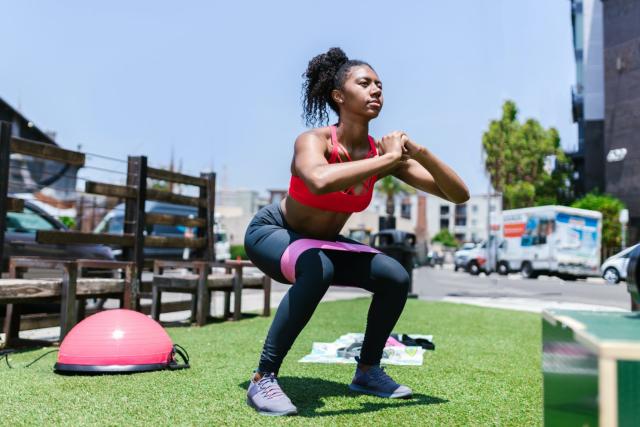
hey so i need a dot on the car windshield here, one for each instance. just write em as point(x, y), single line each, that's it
point(27, 221)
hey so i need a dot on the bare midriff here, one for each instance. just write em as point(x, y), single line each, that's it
point(312, 222)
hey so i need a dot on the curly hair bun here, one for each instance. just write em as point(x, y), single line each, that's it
point(330, 61)
point(324, 73)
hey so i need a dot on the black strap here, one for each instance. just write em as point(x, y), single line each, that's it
point(179, 350)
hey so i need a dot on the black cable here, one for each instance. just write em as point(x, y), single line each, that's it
point(78, 177)
point(41, 356)
point(104, 170)
point(105, 157)
point(5, 354)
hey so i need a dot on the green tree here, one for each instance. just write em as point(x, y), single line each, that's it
point(525, 161)
point(160, 185)
point(446, 238)
point(391, 186)
point(610, 208)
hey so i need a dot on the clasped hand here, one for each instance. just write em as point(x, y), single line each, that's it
point(398, 142)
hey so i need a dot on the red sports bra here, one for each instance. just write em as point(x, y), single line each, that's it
point(338, 201)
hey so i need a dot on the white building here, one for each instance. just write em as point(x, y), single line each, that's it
point(234, 210)
point(409, 215)
point(466, 222)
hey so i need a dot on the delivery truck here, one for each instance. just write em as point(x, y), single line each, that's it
point(549, 240)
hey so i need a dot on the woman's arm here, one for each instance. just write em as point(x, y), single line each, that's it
point(321, 177)
point(426, 172)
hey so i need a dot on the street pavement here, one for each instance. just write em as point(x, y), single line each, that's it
point(514, 292)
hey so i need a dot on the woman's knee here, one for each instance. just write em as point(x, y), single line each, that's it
point(392, 274)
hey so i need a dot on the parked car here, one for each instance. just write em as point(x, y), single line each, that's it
point(20, 238)
point(461, 256)
point(114, 220)
point(614, 268)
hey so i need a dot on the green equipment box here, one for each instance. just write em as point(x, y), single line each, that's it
point(591, 368)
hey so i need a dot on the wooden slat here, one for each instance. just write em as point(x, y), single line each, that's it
point(103, 264)
point(166, 175)
point(95, 286)
point(42, 320)
point(46, 151)
point(165, 219)
point(173, 242)
point(78, 237)
point(14, 205)
point(14, 290)
point(19, 289)
point(189, 281)
point(120, 191)
point(253, 281)
point(177, 199)
point(170, 263)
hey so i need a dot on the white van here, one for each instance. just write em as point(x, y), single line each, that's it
point(551, 240)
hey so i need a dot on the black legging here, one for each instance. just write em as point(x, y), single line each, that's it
point(266, 239)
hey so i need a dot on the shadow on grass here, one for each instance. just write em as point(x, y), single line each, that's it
point(307, 395)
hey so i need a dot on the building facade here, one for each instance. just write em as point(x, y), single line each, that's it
point(467, 222)
point(587, 96)
point(622, 106)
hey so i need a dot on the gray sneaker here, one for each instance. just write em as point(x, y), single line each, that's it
point(266, 397)
point(376, 381)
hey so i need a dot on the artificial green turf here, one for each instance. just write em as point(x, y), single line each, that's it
point(485, 371)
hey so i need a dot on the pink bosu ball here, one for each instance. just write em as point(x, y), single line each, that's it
point(115, 341)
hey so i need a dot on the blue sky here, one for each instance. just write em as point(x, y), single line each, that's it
point(220, 82)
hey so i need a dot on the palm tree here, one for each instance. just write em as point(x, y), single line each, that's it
point(391, 186)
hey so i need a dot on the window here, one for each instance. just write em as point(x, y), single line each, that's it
point(474, 208)
point(461, 210)
point(492, 207)
point(115, 225)
point(405, 209)
point(461, 215)
point(27, 221)
point(474, 222)
point(444, 209)
point(444, 223)
point(459, 237)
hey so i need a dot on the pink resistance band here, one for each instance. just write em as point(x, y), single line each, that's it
point(295, 249)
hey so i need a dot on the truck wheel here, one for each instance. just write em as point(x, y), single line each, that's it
point(527, 271)
point(503, 269)
point(474, 268)
point(611, 275)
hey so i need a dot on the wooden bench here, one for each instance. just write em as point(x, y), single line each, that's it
point(67, 289)
point(200, 282)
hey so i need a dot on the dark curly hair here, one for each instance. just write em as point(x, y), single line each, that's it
point(325, 73)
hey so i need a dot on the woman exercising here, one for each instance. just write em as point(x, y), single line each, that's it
point(296, 241)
